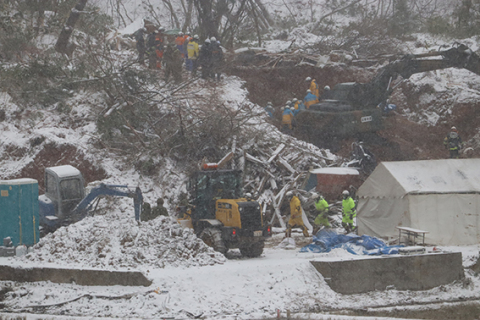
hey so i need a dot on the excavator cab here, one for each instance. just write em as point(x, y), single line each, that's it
point(222, 217)
point(64, 189)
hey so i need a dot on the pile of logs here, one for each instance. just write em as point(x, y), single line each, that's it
point(270, 175)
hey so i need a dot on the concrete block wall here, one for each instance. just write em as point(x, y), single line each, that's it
point(417, 272)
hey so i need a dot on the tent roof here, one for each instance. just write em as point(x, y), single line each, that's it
point(436, 176)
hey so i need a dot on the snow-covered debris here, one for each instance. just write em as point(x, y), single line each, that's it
point(101, 242)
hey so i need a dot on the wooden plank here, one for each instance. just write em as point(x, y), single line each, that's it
point(261, 184)
point(253, 159)
point(224, 160)
point(273, 184)
point(276, 152)
point(281, 162)
point(278, 215)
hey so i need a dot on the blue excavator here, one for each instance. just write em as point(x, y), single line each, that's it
point(65, 200)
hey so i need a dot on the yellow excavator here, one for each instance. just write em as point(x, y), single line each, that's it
point(220, 214)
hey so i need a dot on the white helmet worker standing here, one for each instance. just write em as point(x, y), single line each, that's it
point(348, 212)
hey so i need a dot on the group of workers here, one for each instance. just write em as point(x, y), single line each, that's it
point(148, 213)
point(174, 51)
point(320, 213)
point(295, 106)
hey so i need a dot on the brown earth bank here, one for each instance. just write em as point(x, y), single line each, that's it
point(401, 139)
point(51, 155)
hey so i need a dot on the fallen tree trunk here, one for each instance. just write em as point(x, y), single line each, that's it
point(62, 45)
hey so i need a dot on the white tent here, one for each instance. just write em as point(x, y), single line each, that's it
point(438, 196)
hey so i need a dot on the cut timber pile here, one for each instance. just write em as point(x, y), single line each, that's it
point(269, 172)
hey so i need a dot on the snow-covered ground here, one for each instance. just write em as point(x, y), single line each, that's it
point(280, 280)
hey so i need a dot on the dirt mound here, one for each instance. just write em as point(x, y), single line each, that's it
point(53, 154)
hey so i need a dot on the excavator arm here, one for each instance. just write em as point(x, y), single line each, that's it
point(378, 90)
point(85, 205)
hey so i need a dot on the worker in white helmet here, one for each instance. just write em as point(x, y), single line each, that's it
point(287, 119)
point(348, 212)
point(453, 143)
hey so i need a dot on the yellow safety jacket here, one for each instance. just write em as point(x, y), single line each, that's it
point(192, 50)
point(314, 87)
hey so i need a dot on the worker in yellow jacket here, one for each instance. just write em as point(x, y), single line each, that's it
point(348, 212)
point(313, 86)
point(287, 120)
point(192, 54)
point(310, 99)
point(295, 215)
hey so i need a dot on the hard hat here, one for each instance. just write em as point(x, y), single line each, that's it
point(309, 91)
point(346, 193)
point(289, 194)
point(207, 41)
point(213, 39)
point(180, 33)
point(289, 102)
point(269, 103)
point(326, 88)
point(308, 79)
point(286, 108)
point(453, 128)
point(315, 196)
point(161, 29)
point(248, 195)
point(294, 100)
point(195, 37)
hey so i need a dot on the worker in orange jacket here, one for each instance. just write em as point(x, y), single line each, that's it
point(179, 41)
point(159, 46)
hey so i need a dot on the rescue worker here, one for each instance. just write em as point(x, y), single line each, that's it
point(151, 50)
point(217, 58)
point(453, 143)
point(139, 38)
point(159, 46)
point(348, 212)
point(205, 59)
point(287, 118)
point(146, 213)
point(327, 94)
point(297, 106)
point(192, 55)
point(295, 215)
point(321, 206)
point(269, 109)
point(179, 41)
point(310, 99)
point(159, 210)
point(173, 63)
point(313, 86)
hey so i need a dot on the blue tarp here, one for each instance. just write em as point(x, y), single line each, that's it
point(326, 239)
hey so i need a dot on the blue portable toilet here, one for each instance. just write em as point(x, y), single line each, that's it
point(19, 211)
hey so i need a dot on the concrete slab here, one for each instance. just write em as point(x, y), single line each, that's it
point(79, 276)
point(417, 272)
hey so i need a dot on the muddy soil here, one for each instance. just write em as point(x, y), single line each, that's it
point(400, 140)
point(51, 155)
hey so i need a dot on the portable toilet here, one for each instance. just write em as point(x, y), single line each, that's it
point(19, 211)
